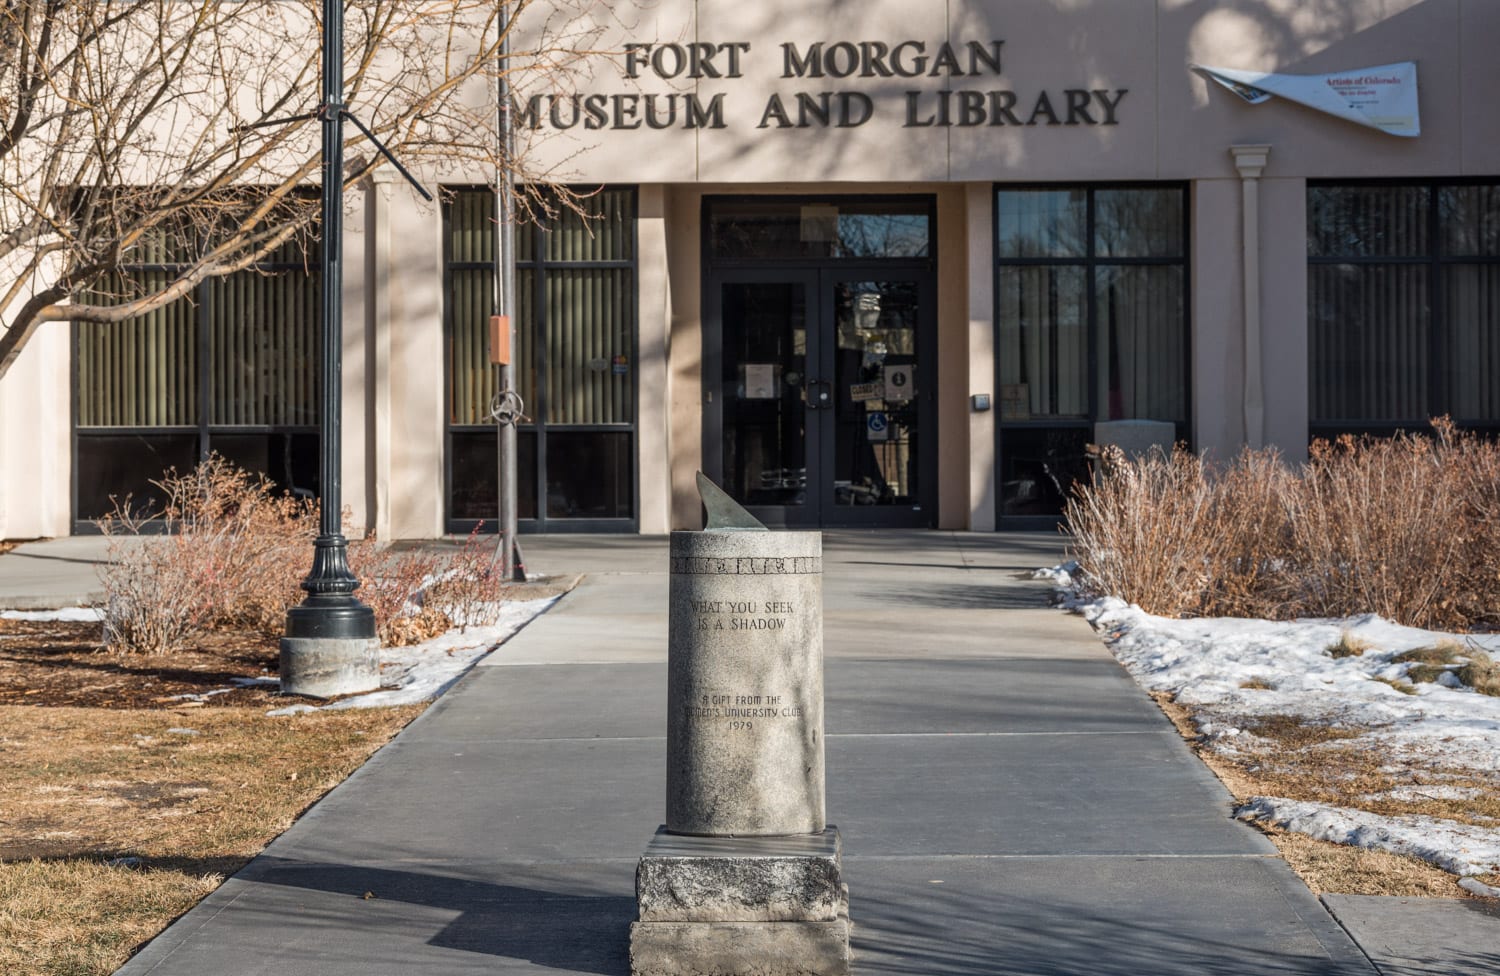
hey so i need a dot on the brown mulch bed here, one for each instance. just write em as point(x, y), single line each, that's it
point(61, 664)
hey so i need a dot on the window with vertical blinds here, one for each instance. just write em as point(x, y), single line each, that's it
point(1403, 305)
point(573, 361)
point(1091, 324)
point(231, 368)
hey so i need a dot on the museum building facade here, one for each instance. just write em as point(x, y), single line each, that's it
point(897, 270)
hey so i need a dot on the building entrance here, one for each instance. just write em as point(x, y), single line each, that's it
point(819, 405)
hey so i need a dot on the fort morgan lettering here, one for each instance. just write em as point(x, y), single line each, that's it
point(846, 106)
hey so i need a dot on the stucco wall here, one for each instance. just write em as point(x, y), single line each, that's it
point(35, 439)
point(1170, 123)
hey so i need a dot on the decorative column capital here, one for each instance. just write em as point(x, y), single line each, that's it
point(1250, 161)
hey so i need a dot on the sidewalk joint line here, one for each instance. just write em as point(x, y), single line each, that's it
point(1137, 856)
point(988, 735)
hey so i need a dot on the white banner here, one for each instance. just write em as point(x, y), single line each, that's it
point(1383, 97)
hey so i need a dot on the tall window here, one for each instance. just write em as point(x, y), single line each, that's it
point(232, 369)
point(574, 363)
point(1091, 324)
point(1403, 305)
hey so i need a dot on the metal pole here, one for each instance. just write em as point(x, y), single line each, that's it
point(506, 283)
point(331, 609)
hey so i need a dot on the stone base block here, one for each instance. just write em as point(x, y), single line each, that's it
point(741, 906)
point(740, 948)
point(741, 879)
point(325, 667)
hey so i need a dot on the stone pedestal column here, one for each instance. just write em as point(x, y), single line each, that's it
point(745, 684)
point(745, 877)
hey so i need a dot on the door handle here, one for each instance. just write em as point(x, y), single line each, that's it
point(819, 395)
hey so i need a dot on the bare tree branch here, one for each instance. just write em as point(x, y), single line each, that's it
point(124, 126)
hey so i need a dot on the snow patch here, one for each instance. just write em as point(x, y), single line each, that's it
point(1459, 848)
point(421, 672)
point(1233, 671)
point(83, 615)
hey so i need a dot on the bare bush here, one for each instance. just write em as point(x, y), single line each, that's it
point(1246, 538)
point(1138, 530)
point(1407, 527)
point(239, 552)
point(155, 599)
point(471, 589)
point(1378, 525)
point(252, 539)
point(392, 584)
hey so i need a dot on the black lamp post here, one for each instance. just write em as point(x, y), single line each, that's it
point(331, 611)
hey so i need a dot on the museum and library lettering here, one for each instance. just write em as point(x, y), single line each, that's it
point(843, 109)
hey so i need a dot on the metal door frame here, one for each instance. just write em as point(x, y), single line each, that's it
point(818, 280)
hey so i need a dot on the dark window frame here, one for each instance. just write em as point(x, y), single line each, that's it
point(204, 430)
point(538, 426)
point(1089, 262)
point(708, 260)
point(1439, 391)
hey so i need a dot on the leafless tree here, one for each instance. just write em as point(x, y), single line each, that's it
point(147, 132)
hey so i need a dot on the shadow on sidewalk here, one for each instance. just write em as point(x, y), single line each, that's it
point(548, 920)
point(1033, 938)
point(970, 596)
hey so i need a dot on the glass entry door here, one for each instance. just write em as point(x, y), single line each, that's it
point(818, 397)
point(762, 395)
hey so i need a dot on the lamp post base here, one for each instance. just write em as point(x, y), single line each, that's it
point(325, 667)
point(330, 647)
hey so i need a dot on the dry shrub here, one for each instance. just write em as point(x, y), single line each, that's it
point(1138, 530)
point(472, 587)
point(1378, 525)
point(239, 552)
point(1475, 469)
point(156, 596)
point(1407, 527)
point(392, 585)
point(1246, 538)
point(237, 557)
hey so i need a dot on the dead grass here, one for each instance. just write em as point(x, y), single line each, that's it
point(1473, 668)
point(1327, 763)
point(1483, 675)
point(49, 912)
point(1348, 645)
point(82, 786)
point(1442, 653)
point(1338, 870)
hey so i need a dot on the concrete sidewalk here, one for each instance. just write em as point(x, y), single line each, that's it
point(51, 574)
point(1010, 802)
